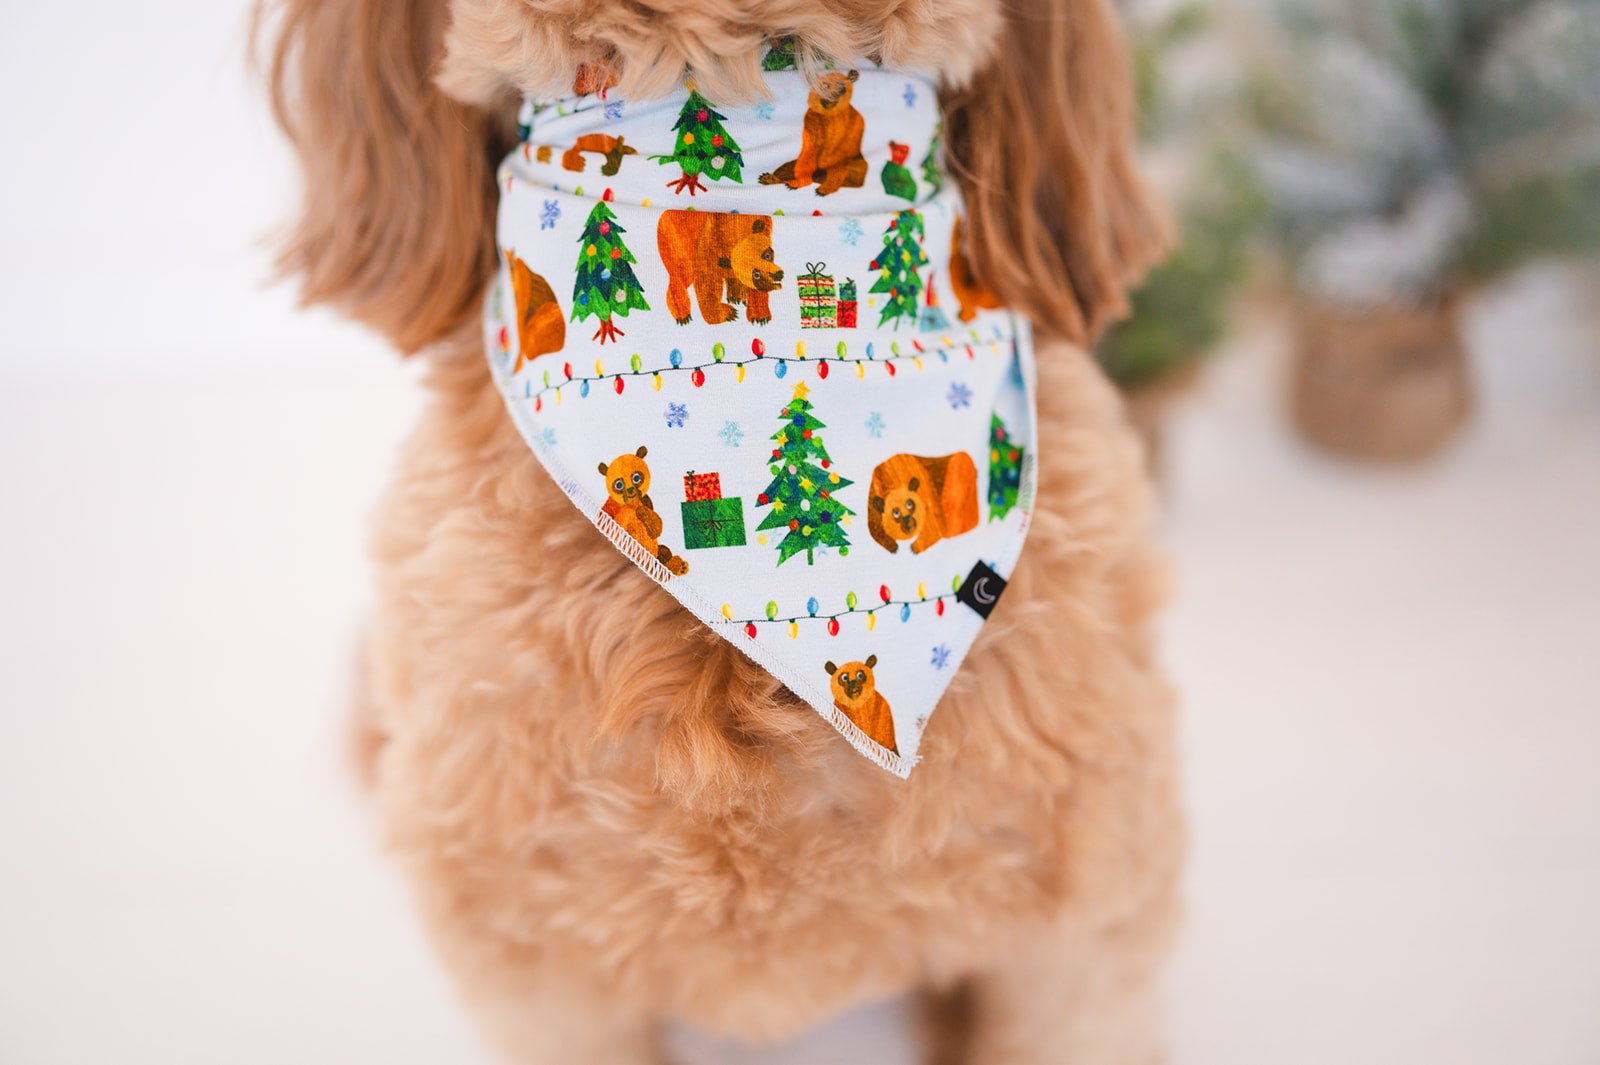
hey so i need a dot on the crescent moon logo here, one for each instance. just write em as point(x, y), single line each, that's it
point(982, 589)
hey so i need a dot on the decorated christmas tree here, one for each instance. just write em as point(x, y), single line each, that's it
point(1005, 469)
point(804, 490)
point(1412, 145)
point(931, 171)
point(605, 285)
point(780, 56)
point(1410, 149)
point(897, 267)
point(701, 146)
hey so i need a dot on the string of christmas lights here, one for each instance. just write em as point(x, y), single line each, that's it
point(852, 605)
point(758, 353)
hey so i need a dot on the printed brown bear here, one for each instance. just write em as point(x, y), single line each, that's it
point(612, 148)
point(855, 693)
point(541, 327)
point(719, 256)
point(921, 499)
point(628, 504)
point(973, 295)
point(830, 142)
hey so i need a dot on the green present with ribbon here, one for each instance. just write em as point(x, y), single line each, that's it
point(713, 523)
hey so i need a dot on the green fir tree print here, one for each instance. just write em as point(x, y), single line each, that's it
point(1005, 469)
point(897, 267)
point(932, 173)
point(701, 146)
point(804, 490)
point(780, 56)
point(605, 285)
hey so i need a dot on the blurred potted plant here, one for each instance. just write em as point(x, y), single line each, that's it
point(1181, 310)
point(1409, 149)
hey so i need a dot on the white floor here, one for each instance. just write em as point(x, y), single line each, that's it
point(1392, 694)
point(1392, 703)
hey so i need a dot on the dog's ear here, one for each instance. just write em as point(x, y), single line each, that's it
point(872, 660)
point(759, 225)
point(396, 225)
point(605, 471)
point(642, 452)
point(914, 484)
point(1042, 142)
point(830, 667)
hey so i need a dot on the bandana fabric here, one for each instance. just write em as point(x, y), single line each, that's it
point(745, 343)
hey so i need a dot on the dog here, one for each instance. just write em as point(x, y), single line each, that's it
point(611, 817)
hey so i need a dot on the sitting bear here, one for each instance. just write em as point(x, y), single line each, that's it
point(922, 500)
point(628, 504)
point(711, 253)
point(855, 693)
point(830, 141)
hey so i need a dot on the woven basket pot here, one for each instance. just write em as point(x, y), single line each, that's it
point(1387, 383)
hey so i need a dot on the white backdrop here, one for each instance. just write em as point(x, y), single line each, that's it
point(1392, 708)
point(142, 176)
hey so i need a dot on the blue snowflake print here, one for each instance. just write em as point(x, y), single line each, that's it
point(677, 414)
point(731, 434)
point(613, 109)
point(941, 657)
point(547, 437)
point(875, 425)
point(764, 111)
point(910, 95)
point(960, 396)
point(850, 230)
point(550, 215)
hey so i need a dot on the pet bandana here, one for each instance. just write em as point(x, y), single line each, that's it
point(745, 342)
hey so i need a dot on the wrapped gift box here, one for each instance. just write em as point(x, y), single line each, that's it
point(847, 304)
point(818, 299)
point(702, 486)
point(713, 523)
point(816, 284)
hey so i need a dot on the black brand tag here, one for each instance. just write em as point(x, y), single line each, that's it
point(982, 589)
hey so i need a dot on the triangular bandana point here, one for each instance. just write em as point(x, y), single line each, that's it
point(850, 531)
